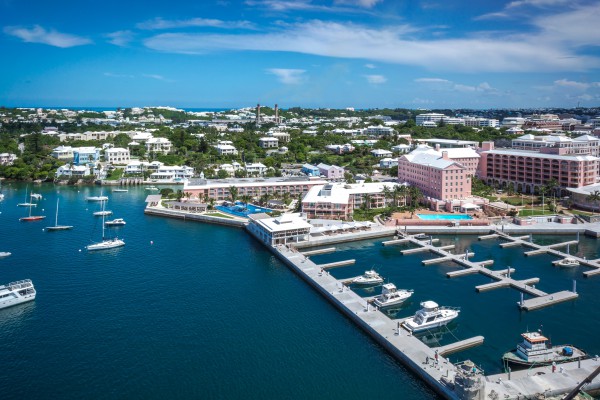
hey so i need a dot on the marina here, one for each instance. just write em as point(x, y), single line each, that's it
point(333, 346)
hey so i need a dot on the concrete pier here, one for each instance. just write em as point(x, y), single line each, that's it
point(459, 346)
point(336, 264)
point(547, 300)
point(319, 251)
point(394, 241)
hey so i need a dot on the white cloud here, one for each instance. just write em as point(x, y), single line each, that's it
point(288, 76)
point(157, 77)
point(447, 85)
point(37, 34)
point(113, 75)
point(120, 38)
point(572, 84)
point(370, 66)
point(359, 3)
point(376, 79)
point(432, 80)
point(533, 53)
point(159, 23)
point(538, 3)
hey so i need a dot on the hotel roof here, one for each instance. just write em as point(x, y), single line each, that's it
point(242, 182)
point(535, 154)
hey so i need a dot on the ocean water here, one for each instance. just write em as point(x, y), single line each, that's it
point(184, 310)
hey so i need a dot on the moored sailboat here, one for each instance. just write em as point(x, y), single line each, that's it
point(105, 244)
point(56, 226)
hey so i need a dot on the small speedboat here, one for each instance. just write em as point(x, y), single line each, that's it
point(5, 254)
point(96, 198)
point(153, 188)
point(368, 278)
point(102, 213)
point(568, 262)
point(535, 349)
point(120, 190)
point(391, 296)
point(115, 222)
point(430, 316)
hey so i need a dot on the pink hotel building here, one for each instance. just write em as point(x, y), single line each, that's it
point(528, 170)
point(436, 174)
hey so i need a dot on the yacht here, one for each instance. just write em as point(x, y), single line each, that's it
point(536, 349)
point(102, 213)
point(105, 244)
point(391, 296)
point(5, 254)
point(430, 316)
point(368, 278)
point(16, 293)
point(568, 262)
point(115, 222)
point(96, 198)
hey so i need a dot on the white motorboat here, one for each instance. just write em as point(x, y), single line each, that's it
point(5, 254)
point(36, 196)
point(119, 190)
point(535, 349)
point(391, 296)
point(568, 262)
point(153, 188)
point(105, 244)
point(16, 292)
point(1, 196)
point(430, 316)
point(368, 278)
point(115, 222)
point(102, 213)
point(96, 198)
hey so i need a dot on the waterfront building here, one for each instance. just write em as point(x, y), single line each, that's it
point(71, 170)
point(437, 175)
point(527, 171)
point(62, 153)
point(268, 142)
point(158, 145)
point(331, 171)
point(218, 189)
point(287, 228)
point(339, 200)
point(117, 155)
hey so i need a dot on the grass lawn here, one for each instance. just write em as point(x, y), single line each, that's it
point(218, 215)
point(536, 211)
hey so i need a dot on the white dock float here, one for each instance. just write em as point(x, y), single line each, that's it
point(395, 241)
point(437, 260)
point(592, 272)
point(448, 247)
point(547, 300)
point(491, 236)
point(484, 263)
point(336, 264)
point(415, 250)
point(462, 272)
point(459, 346)
point(511, 244)
point(524, 285)
point(320, 251)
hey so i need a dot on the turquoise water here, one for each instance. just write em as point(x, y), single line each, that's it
point(177, 314)
point(243, 210)
point(435, 217)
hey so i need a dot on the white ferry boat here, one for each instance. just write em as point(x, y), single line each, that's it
point(430, 316)
point(391, 296)
point(535, 349)
point(16, 293)
point(368, 278)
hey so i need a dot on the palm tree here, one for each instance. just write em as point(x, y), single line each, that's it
point(594, 197)
point(245, 198)
point(387, 194)
point(233, 193)
point(415, 195)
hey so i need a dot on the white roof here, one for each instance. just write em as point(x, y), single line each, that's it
point(535, 154)
point(426, 155)
point(467, 206)
point(284, 222)
point(339, 193)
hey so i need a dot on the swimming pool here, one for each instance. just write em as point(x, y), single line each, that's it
point(436, 217)
point(243, 210)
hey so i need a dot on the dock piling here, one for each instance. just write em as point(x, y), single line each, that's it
point(522, 302)
point(574, 286)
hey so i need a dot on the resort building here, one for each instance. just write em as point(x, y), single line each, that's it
point(527, 171)
point(580, 197)
point(380, 130)
point(70, 170)
point(435, 174)
point(158, 145)
point(218, 189)
point(117, 155)
point(559, 144)
point(287, 228)
point(268, 142)
point(388, 162)
point(448, 143)
point(428, 117)
point(339, 200)
point(256, 169)
point(331, 171)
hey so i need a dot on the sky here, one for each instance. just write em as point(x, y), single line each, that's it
point(423, 54)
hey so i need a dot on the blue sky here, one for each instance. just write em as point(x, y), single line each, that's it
point(311, 53)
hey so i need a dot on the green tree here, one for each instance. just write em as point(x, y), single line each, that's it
point(594, 197)
point(233, 193)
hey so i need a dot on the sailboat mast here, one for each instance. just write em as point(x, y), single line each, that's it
point(56, 220)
